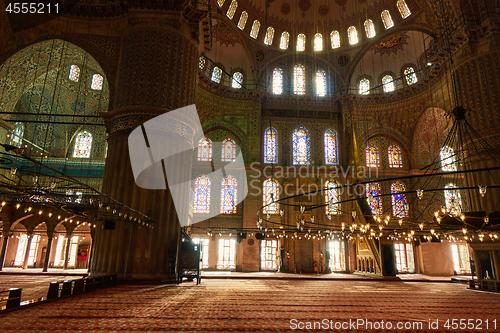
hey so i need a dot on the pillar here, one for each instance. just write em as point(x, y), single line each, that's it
point(157, 74)
point(27, 252)
point(66, 251)
point(5, 242)
point(47, 253)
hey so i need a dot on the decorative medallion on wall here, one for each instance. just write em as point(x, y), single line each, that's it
point(285, 9)
point(259, 55)
point(250, 241)
point(323, 10)
point(304, 6)
point(392, 43)
point(341, 3)
point(224, 35)
point(343, 60)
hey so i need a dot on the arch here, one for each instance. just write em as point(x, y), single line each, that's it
point(216, 74)
point(321, 83)
point(271, 145)
point(232, 9)
point(370, 29)
point(448, 159)
point(268, 39)
point(299, 79)
point(404, 11)
point(399, 202)
point(229, 195)
point(331, 147)
point(243, 20)
point(202, 188)
point(97, 82)
point(74, 73)
point(352, 34)
point(387, 19)
point(301, 42)
point(410, 75)
point(83, 145)
point(318, 42)
point(388, 83)
point(364, 86)
point(395, 156)
point(17, 135)
point(255, 29)
point(374, 190)
point(277, 81)
point(301, 142)
point(332, 197)
point(285, 38)
point(270, 193)
point(372, 156)
point(237, 80)
point(453, 199)
point(335, 39)
point(228, 150)
point(205, 150)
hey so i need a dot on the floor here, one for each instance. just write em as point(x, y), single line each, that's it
point(267, 305)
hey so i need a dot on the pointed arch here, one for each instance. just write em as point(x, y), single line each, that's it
point(229, 195)
point(285, 38)
point(321, 83)
point(388, 83)
point(395, 156)
point(228, 150)
point(352, 34)
point(453, 199)
point(387, 19)
point(301, 142)
point(364, 86)
point(372, 156)
point(448, 159)
point(331, 147)
point(299, 79)
point(374, 190)
point(332, 197)
point(255, 29)
point(202, 195)
point(205, 150)
point(301, 42)
point(335, 39)
point(232, 9)
point(271, 192)
point(277, 81)
point(268, 40)
point(370, 29)
point(83, 145)
point(318, 42)
point(403, 9)
point(271, 145)
point(243, 20)
point(399, 203)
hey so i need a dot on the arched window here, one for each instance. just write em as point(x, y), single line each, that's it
point(447, 155)
point(270, 193)
point(299, 79)
point(271, 145)
point(301, 141)
point(301, 42)
point(332, 197)
point(237, 80)
point(399, 203)
point(331, 150)
point(395, 156)
point(335, 39)
point(352, 33)
point(216, 74)
point(364, 86)
point(268, 40)
point(376, 202)
point(277, 81)
point(232, 9)
point(387, 19)
point(369, 29)
point(201, 63)
point(74, 73)
point(17, 135)
point(403, 9)
point(453, 199)
point(285, 37)
point(388, 83)
point(410, 76)
point(228, 195)
point(228, 150)
point(243, 20)
point(106, 153)
point(318, 42)
point(220, 2)
point(320, 83)
point(202, 195)
point(255, 29)
point(97, 81)
point(372, 156)
point(83, 144)
point(205, 150)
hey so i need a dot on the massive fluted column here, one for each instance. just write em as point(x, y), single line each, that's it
point(157, 74)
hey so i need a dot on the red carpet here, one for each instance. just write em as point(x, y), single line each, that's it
point(261, 305)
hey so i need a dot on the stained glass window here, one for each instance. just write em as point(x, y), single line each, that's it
point(352, 33)
point(232, 9)
point(369, 29)
point(332, 197)
point(335, 39)
point(395, 156)
point(403, 9)
point(372, 156)
point(387, 19)
point(399, 203)
point(17, 135)
point(271, 145)
point(376, 203)
point(228, 150)
point(277, 81)
point(318, 42)
point(364, 86)
point(320, 83)
point(268, 40)
point(228, 195)
point(447, 155)
point(220, 2)
point(201, 64)
point(301, 42)
point(106, 153)
point(74, 73)
point(83, 144)
point(270, 193)
point(201, 195)
point(243, 20)
point(331, 150)
point(97, 81)
point(237, 80)
point(388, 83)
point(255, 29)
point(410, 76)
point(216, 74)
point(299, 79)
point(301, 141)
point(205, 150)
point(285, 37)
point(453, 199)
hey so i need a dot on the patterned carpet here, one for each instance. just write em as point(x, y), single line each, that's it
point(263, 306)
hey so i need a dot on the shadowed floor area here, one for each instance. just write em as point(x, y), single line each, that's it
point(261, 305)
